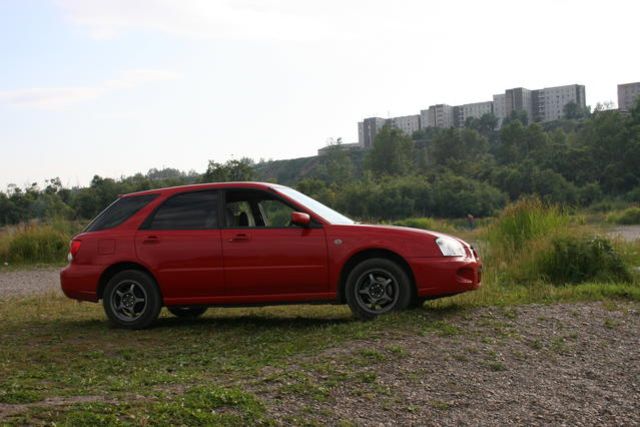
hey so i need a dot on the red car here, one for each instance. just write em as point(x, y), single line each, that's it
point(191, 247)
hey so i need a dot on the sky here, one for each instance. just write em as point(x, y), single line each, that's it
point(115, 87)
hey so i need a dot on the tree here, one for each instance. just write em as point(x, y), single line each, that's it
point(519, 115)
point(392, 153)
point(232, 170)
point(458, 146)
point(512, 134)
point(485, 125)
point(572, 111)
point(335, 164)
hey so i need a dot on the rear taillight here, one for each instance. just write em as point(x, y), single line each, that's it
point(74, 247)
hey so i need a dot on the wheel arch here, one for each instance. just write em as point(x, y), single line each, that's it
point(365, 254)
point(114, 269)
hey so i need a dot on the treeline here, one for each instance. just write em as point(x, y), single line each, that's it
point(55, 201)
point(585, 159)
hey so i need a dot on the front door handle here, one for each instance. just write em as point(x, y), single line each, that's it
point(151, 240)
point(240, 237)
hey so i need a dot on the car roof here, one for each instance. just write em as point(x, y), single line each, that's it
point(206, 186)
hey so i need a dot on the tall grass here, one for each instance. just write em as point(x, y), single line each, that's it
point(538, 252)
point(522, 222)
point(424, 223)
point(582, 259)
point(34, 244)
point(629, 216)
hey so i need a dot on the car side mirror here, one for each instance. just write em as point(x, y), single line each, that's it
point(300, 218)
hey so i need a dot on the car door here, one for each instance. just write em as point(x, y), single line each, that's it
point(264, 254)
point(181, 242)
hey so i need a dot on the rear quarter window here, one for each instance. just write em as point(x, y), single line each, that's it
point(196, 210)
point(119, 211)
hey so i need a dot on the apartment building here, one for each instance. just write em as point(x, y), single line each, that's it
point(368, 129)
point(518, 99)
point(499, 107)
point(407, 124)
point(474, 110)
point(548, 103)
point(440, 116)
point(627, 95)
point(541, 105)
point(424, 119)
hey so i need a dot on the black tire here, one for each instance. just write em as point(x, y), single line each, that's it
point(132, 300)
point(187, 312)
point(377, 286)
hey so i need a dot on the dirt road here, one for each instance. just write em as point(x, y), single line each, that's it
point(27, 282)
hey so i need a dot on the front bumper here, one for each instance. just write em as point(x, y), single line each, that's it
point(446, 275)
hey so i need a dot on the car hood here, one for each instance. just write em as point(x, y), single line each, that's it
point(409, 231)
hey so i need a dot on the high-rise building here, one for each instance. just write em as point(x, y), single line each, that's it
point(548, 103)
point(518, 99)
point(540, 105)
point(627, 95)
point(440, 116)
point(407, 124)
point(424, 119)
point(474, 110)
point(499, 107)
point(368, 129)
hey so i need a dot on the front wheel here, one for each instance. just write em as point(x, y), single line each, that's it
point(132, 300)
point(377, 286)
point(187, 312)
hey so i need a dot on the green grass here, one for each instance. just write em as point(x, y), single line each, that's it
point(208, 371)
point(37, 243)
point(522, 222)
point(629, 216)
point(54, 347)
point(211, 371)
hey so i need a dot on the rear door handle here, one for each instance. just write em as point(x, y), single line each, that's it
point(151, 240)
point(240, 237)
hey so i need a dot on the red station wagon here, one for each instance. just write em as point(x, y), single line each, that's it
point(196, 246)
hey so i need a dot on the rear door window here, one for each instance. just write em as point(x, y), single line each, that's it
point(187, 211)
point(119, 211)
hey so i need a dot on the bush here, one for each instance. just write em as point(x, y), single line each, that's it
point(37, 244)
point(522, 222)
point(626, 217)
point(423, 223)
point(456, 196)
point(582, 259)
point(4, 247)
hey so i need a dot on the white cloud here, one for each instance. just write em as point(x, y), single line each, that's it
point(61, 97)
point(49, 98)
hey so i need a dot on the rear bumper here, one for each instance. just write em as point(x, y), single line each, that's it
point(80, 282)
point(446, 275)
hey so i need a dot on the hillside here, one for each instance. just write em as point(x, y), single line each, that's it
point(290, 171)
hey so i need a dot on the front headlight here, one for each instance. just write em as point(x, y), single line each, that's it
point(450, 247)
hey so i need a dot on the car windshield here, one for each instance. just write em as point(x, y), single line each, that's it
point(324, 211)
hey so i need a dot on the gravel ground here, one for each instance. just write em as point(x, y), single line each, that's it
point(575, 364)
point(627, 232)
point(560, 364)
point(26, 282)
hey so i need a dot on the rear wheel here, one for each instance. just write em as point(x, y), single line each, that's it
point(187, 312)
point(377, 286)
point(132, 300)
